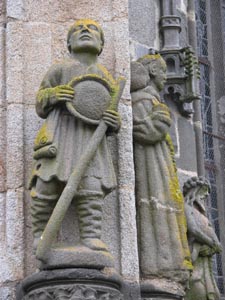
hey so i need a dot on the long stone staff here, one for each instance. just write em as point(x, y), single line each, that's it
point(58, 214)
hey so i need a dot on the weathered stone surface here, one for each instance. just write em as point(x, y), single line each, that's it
point(175, 137)
point(182, 13)
point(15, 231)
point(14, 62)
point(131, 290)
point(2, 65)
point(15, 159)
point(120, 11)
point(107, 57)
point(32, 123)
point(221, 110)
point(161, 288)
point(141, 13)
point(2, 150)
point(122, 59)
point(15, 9)
point(187, 159)
point(129, 254)
point(2, 221)
point(182, 5)
point(64, 11)
point(2, 12)
point(12, 239)
point(58, 43)
point(68, 256)
point(37, 43)
point(111, 228)
point(125, 178)
point(30, 262)
point(7, 293)
point(137, 50)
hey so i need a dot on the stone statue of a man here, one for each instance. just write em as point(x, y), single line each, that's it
point(63, 137)
point(163, 247)
point(202, 240)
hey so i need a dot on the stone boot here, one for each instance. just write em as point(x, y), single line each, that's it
point(41, 210)
point(90, 221)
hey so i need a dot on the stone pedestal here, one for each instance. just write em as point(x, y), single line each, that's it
point(161, 289)
point(159, 296)
point(76, 257)
point(74, 284)
point(154, 295)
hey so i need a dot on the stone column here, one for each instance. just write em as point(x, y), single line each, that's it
point(11, 149)
point(170, 26)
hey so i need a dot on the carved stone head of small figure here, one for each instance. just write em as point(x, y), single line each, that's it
point(85, 35)
point(156, 68)
point(196, 190)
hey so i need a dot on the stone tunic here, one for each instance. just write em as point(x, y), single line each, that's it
point(68, 135)
point(163, 247)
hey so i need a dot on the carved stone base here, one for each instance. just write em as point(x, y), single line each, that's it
point(77, 257)
point(159, 296)
point(74, 284)
point(161, 289)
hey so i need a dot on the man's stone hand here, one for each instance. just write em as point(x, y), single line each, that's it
point(62, 94)
point(161, 118)
point(205, 251)
point(161, 113)
point(112, 119)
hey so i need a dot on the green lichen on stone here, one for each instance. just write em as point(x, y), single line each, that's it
point(44, 135)
point(177, 197)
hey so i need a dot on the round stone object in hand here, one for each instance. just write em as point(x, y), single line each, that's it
point(92, 97)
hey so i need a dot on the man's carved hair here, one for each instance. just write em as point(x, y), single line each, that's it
point(151, 58)
point(194, 182)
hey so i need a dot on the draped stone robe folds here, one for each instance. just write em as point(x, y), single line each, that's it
point(163, 247)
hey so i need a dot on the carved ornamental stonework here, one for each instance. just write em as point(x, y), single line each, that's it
point(74, 292)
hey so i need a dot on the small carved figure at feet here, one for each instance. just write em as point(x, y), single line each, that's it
point(202, 239)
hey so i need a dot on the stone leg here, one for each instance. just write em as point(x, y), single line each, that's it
point(90, 219)
point(91, 252)
point(89, 202)
point(44, 197)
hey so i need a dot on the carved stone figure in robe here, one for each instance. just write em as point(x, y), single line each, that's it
point(63, 137)
point(163, 247)
point(202, 239)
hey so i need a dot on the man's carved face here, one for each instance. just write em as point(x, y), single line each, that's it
point(158, 72)
point(86, 36)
